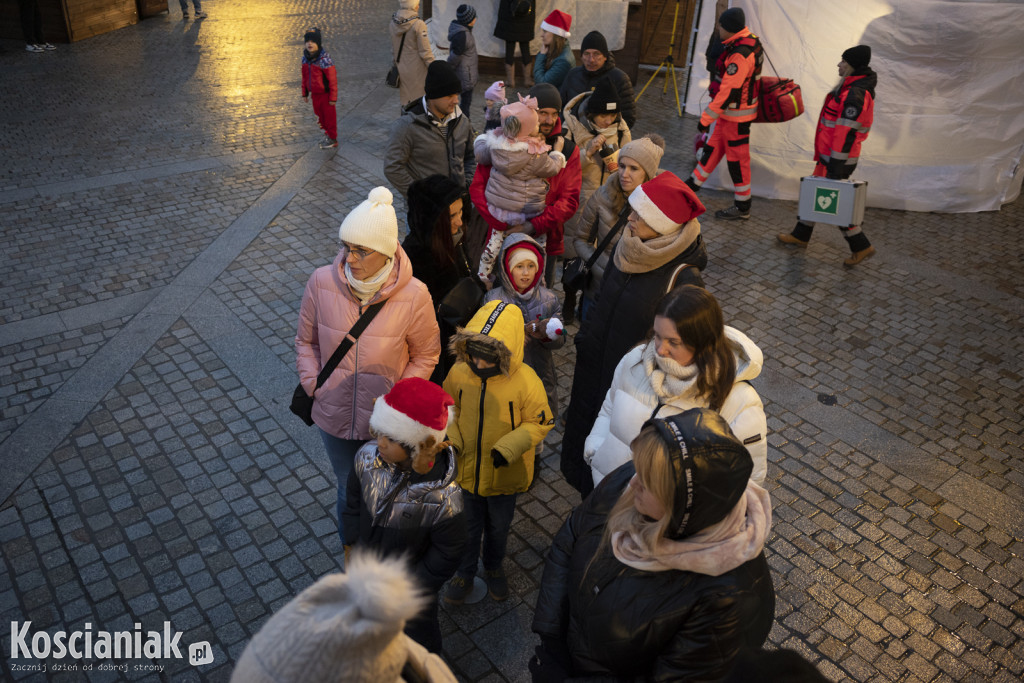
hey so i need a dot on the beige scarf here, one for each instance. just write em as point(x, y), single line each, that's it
point(718, 549)
point(365, 289)
point(634, 255)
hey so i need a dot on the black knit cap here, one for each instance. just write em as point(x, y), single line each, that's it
point(314, 35)
point(858, 56)
point(595, 40)
point(465, 14)
point(603, 99)
point(441, 81)
point(547, 96)
point(709, 466)
point(733, 20)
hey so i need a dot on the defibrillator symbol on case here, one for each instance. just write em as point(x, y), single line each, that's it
point(826, 200)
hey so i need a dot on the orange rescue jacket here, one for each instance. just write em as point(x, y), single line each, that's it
point(741, 80)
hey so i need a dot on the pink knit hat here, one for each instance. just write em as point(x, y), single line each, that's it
point(496, 92)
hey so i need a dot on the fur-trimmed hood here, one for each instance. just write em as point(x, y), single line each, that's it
point(506, 334)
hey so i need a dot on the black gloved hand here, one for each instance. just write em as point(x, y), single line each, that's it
point(701, 128)
point(499, 459)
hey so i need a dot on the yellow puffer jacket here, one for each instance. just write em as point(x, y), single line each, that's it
point(507, 413)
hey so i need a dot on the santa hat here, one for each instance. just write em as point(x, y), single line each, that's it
point(558, 22)
point(345, 628)
point(412, 412)
point(665, 203)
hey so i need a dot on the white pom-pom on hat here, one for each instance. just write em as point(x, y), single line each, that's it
point(373, 224)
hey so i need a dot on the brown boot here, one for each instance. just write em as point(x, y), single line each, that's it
point(528, 75)
point(786, 238)
point(510, 76)
point(858, 256)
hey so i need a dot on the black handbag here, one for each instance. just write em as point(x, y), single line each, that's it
point(393, 80)
point(302, 403)
point(461, 302)
point(520, 8)
point(576, 271)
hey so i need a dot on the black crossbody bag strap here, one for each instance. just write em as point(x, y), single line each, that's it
point(401, 46)
point(623, 218)
point(346, 344)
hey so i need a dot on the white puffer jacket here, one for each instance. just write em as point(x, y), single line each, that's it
point(631, 401)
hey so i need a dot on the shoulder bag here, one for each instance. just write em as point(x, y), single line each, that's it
point(576, 272)
point(302, 403)
point(392, 80)
point(778, 99)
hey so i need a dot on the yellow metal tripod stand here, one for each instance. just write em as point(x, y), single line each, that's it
point(669, 64)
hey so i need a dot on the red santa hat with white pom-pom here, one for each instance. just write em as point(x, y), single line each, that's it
point(558, 22)
point(412, 411)
point(665, 203)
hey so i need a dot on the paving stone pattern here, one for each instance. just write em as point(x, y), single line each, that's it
point(189, 493)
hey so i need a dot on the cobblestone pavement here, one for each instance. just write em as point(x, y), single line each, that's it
point(161, 208)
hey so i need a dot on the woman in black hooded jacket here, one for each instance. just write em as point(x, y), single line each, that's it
point(436, 248)
point(660, 574)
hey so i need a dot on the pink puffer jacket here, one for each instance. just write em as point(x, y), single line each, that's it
point(402, 341)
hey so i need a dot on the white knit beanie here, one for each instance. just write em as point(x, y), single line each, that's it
point(345, 628)
point(372, 224)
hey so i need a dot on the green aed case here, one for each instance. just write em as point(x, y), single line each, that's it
point(837, 202)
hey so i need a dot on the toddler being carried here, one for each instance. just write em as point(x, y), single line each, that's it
point(521, 162)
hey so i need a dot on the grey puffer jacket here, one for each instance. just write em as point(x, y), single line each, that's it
point(518, 179)
point(462, 54)
point(416, 53)
point(397, 511)
point(540, 303)
point(604, 206)
point(417, 149)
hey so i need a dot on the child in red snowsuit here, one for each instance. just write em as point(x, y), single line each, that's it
point(320, 79)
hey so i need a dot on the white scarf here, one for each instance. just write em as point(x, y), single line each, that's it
point(668, 378)
point(718, 549)
point(365, 289)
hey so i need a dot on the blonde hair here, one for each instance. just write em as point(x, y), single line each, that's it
point(651, 460)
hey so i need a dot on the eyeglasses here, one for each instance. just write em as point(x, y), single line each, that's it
point(359, 253)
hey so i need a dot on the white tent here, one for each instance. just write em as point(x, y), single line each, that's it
point(948, 133)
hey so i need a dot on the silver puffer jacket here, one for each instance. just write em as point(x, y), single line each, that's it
point(393, 501)
point(401, 512)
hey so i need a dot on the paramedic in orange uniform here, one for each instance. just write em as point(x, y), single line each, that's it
point(843, 125)
point(731, 111)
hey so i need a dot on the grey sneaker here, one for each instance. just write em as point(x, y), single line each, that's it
point(733, 213)
point(328, 143)
point(458, 590)
point(33, 48)
point(47, 46)
point(497, 584)
point(201, 15)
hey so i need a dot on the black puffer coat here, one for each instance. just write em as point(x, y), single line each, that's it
point(428, 199)
point(512, 28)
point(580, 80)
point(624, 316)
point(617, 621)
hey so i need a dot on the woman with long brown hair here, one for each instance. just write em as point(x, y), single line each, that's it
point(555, 57)
point(660, 574)
point(436, 248)
point(691, 360)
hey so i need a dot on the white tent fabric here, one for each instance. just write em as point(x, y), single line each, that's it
point(948, 133)
point(606, 16)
